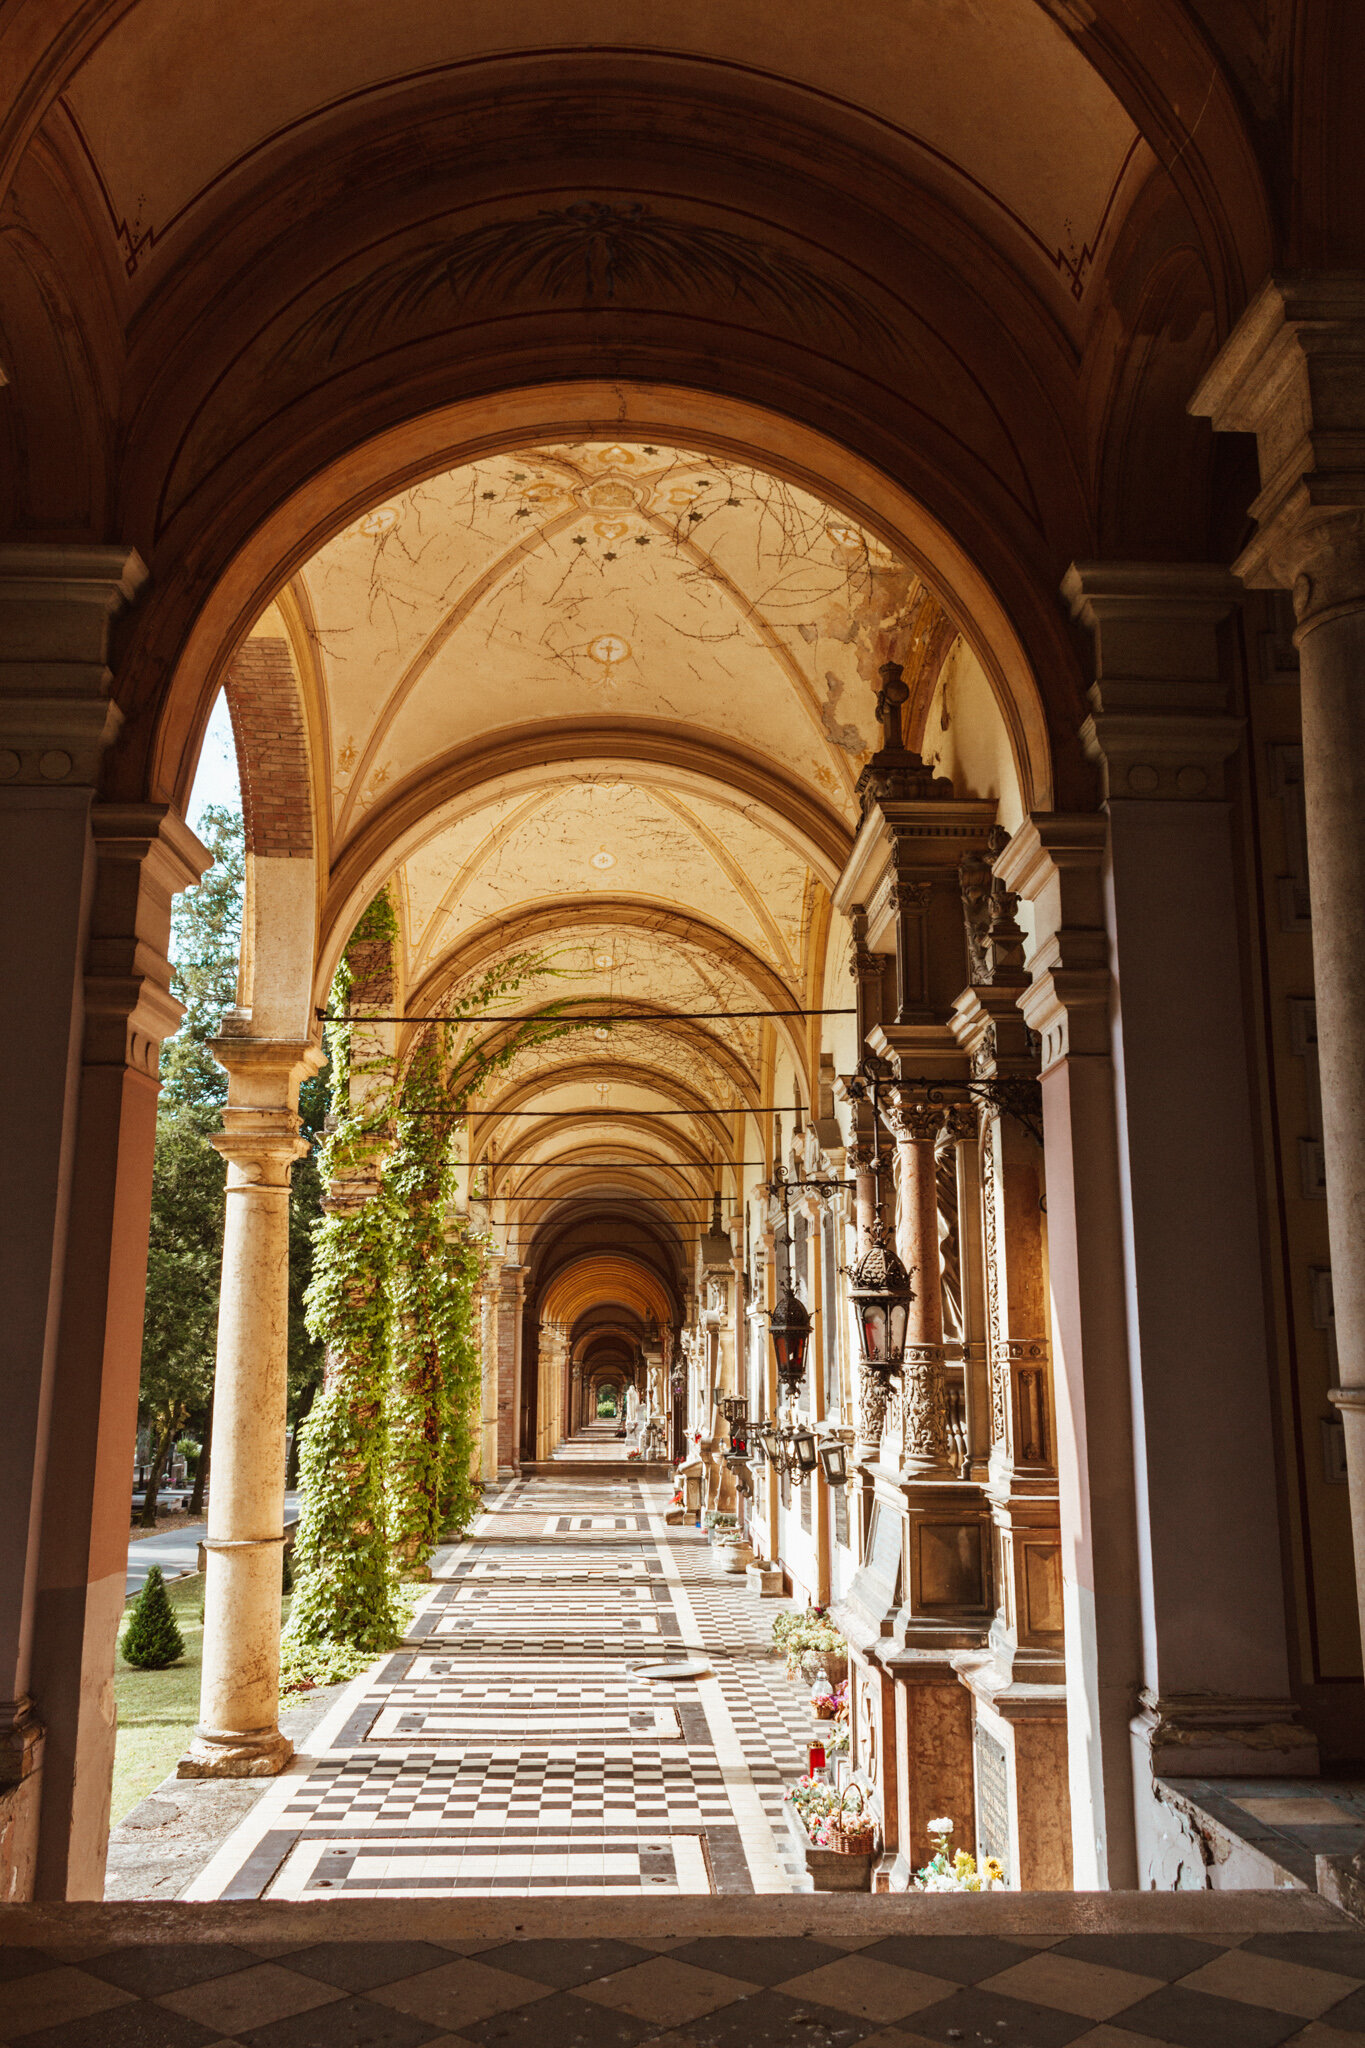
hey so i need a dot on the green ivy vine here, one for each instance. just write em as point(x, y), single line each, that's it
point(389, 1456)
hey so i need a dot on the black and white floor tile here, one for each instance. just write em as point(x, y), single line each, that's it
point(513, 1747)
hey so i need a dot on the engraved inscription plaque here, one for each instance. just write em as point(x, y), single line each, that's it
point(992, 1798)
point(840, 1514)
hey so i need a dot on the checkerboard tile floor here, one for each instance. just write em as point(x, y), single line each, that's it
point(512, 1747)
point(895, 1990)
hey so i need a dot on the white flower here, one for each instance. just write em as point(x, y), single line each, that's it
point(940, 1827)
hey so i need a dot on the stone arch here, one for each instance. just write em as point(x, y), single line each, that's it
point(587, 410)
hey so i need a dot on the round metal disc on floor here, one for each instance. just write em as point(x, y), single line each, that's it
point(681, 1667)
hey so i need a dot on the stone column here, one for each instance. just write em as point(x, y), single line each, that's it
point(918, 1123)
point(964, 1131)
point(144, 853)
point(1020, 1683)
point(507, 1321)
point(945, 1562)
point(1293, 373)
point(1216, 1691)
point(238, 1734)
point(1056, 862)
point(56, 717)
point(488, 1369)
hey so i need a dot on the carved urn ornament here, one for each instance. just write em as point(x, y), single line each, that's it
point(879, 1288)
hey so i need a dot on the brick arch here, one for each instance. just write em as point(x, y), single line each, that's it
point(271, 736)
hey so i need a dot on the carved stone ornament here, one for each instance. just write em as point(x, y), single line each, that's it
point(963, 1121)
point(593, 252)
point(874, 1394)
point(896, 774)
point(924, 1406)
point(917, 1123)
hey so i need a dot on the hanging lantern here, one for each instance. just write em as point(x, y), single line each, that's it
point(879, 1288)
point(834, 1460)
point(803, 1452)
point(789, 1327)
point(770, 1443)
point(734, 1407)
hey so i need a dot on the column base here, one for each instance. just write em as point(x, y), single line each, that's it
point(228, 1755)
point(21, 1777)
point(1193, 1736)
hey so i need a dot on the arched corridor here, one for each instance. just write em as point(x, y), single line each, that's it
point(788, 589)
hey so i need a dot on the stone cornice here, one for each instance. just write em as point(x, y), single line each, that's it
point(1158, 726)
point(56, 603)
point(1293, 373)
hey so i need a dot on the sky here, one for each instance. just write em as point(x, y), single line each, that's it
point(215, 779)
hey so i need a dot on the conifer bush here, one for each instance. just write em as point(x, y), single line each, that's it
point(152, 1640)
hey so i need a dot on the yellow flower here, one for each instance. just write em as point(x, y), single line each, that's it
point(995, 1870)
point(964, 1863)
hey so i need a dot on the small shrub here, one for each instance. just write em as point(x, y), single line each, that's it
point(152, 1640)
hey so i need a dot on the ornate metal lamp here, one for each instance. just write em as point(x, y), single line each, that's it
point(803, 1452)
point(834, 1460)
point(789, 1328)
point(879, 1288)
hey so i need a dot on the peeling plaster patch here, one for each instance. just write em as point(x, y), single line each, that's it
point(846, 736)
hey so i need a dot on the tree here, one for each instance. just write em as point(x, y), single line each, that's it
point(152, 1639)
point(184, 1264)
point(185, 1249)
point(184, 1261)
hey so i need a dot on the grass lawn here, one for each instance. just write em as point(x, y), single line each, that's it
point(157, 1710)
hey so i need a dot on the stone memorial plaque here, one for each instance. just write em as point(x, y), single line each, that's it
point(992, 1798)
point(841, 1514)
point(806, 1491)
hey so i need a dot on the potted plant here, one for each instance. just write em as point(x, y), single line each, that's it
point(731, 1551)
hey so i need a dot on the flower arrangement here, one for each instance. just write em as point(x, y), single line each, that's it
point(956, 1871)
point(808, 1634)
point(815, 1803)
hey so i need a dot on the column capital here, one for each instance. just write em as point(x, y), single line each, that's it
point(1292, 372)
point(913, 1118)
point(56, 606)
point(260, 1146)
point(1056, 862)
point(1157, 724)
point(145, 855)
point(264, 1073)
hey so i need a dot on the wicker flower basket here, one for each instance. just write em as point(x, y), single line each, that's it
point(855, 1835)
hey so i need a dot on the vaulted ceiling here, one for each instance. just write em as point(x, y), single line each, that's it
point(943, 83)
point(600, 710)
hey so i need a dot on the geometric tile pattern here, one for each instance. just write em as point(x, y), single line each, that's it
point(902, 1991)
point(511, 1748)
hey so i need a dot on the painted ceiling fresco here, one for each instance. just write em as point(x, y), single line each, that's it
point(618, 698)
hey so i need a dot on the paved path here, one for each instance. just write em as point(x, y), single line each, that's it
point(511, 1748)
point(177, 1550)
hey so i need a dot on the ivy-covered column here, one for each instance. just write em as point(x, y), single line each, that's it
point(238, 1734)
